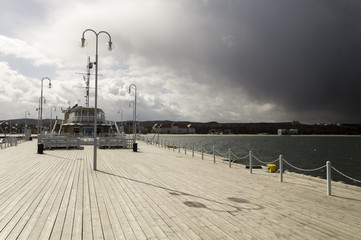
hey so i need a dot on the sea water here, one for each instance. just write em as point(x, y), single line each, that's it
point(305, 152)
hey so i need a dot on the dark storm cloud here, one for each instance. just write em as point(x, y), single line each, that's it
point(304, 56)
point(301, 55)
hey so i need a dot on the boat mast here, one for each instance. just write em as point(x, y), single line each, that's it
point(88, 67)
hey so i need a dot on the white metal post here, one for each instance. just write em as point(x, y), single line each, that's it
point(328, 170)
point(134, 113)
point(250, 162)
point(214, 155)
point(281, 169)
point(229, 157)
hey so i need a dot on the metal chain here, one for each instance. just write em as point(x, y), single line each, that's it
point(208, 152)
point(302, 169)
point(239, 157)
point(265, 162)
point(345, 175)
point(220, 154)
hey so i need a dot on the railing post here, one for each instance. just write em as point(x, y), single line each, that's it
point(185, 149)
point(202, 152)
point(250, 162)
point(328, 170)
point(214, 155)
point(173, 146)
point(179, 147)
point(193, 150)
point(229, 157)
point(281, 169)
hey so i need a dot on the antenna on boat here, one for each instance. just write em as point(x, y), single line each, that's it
point(88, 67)
point(86, 77)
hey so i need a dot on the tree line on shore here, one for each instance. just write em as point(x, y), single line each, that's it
point(233, 128)
point(267, 128)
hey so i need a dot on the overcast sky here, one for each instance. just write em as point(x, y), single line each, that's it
point(196, 60)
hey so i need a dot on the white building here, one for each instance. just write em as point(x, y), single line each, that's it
point(287, 131)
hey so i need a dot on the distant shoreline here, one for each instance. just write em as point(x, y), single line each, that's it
point(254, 135)
point(220, 135)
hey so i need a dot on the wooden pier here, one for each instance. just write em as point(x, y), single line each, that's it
point(157, 193)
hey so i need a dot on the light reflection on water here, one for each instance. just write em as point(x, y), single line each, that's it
point(307, 152)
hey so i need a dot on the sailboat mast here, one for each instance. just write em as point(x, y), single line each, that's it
point(88, 66)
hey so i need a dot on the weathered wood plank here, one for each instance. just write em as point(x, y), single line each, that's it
point(157, 193)
point(47, 220)
point(39, 216)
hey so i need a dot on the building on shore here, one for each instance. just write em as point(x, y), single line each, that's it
point(220, 131)
point(174, 128)
point(287, 132)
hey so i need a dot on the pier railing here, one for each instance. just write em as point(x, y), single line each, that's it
point(10, 141)
point(230, 158)
point(52, 142)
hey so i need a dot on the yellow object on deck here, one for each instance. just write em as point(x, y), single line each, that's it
point(271, 167)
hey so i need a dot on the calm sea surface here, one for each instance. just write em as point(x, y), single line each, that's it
point(306, 152)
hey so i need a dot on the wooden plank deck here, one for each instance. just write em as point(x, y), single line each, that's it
point(157, 193)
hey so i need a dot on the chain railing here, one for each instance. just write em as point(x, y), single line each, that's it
point(239, 158)
point(10, 141)
point(264, 161)
point(344, 175)
point(303, 169)
point(232, 157)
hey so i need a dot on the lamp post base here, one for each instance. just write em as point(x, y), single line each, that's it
point(135, 146)
point(40, 148)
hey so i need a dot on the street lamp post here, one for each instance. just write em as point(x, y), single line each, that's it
point(139, 125)
point(27, 112)
point(83, 44)
point(134, 116)
point(51, 117)
point(131, 104)
point(40, 146)
point(120, 110)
